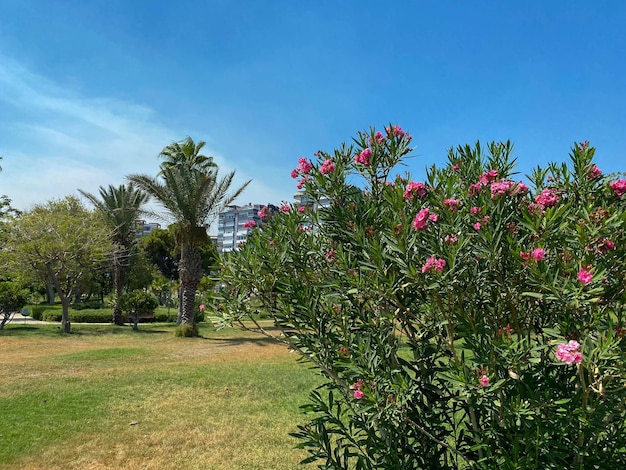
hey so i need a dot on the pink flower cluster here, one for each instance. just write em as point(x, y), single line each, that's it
point(304, 167)
point(414, 189)
point(509, 188)
point(619, 187)
point(262, 213)
point(547, 198)
point(453, 203)
point(484, 381)
point(488, 177)
point(433, 263)
point(584, 276)
point(378, 137)
point(358, 389)
point(594, 173)
point(284, 208)
point(302, 182)
point(537, 254)
point(395, 130)
point(568, 353)
point(364, 157)
point(474, 188)
point(327, 167)
point(249, 224)
point(500, 188)
point(421, 219)
point(450, 239)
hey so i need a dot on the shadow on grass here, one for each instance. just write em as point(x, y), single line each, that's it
point(54, 330)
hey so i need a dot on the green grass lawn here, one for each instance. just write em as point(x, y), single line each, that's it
point(108, 397)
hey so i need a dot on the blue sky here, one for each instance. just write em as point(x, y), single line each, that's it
point(90, 91)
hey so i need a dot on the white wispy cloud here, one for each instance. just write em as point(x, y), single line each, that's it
point(55, 140)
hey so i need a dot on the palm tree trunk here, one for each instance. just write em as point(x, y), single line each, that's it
point(190, 272)
point(120, 273)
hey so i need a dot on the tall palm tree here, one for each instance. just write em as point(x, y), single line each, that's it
point(120, 207)
point(187, 153)
point(192, 198)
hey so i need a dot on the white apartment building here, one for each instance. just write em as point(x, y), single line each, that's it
point(230, 225)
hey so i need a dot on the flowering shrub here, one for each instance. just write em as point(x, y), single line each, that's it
point(465, 321)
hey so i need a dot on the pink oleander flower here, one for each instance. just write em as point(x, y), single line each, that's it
point(327, 167)
point(421, 219)
point(584, 276)
point(486, 219)
point(433, 263)
point(302, 182)
point(249, 224)
point(501, 188)
point(484, 381)
point(202, 307)
point(456, 167)
point(395, 130)
point(525, 255)
point(433, 217)
point(594, 172)
point(618, 187)
point(568, 353)
point(474, 188)
point(304, 165)
point(378, 137)
point(262, 213)
point(538, 254)
point(301, 209)
point(520, 188)
point(450, 239)
point(536, 209)
point(331, 255)
point(475, 209)
point(477, 226)
point(364, 157)
point(284, 208)
point(295, 173)
point(414, 189)
point(489, 177)
point(453, 203)
point(547, 198)
point(358, 394)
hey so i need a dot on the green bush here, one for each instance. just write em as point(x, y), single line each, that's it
point(91, 304)
point(161, 315)
point(187, 330)
point(466, 321)
point(138, 305)
point(52, 315)
point(91, 316)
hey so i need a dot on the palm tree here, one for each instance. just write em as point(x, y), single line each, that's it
point(192, 197)
point(187, 153)
point(120, 208)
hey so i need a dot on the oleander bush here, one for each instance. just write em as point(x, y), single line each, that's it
point(471, 320)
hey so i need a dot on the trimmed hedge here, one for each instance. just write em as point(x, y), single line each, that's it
point(81, 316)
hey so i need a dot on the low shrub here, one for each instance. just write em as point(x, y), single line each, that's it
point(187, 330)
point(91, 304)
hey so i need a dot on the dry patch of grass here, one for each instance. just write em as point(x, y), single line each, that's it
point(226, 401)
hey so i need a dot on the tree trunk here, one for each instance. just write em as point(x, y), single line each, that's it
point(50, 292)
point(190, 273)
point(65, 315)
point(120, 273)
